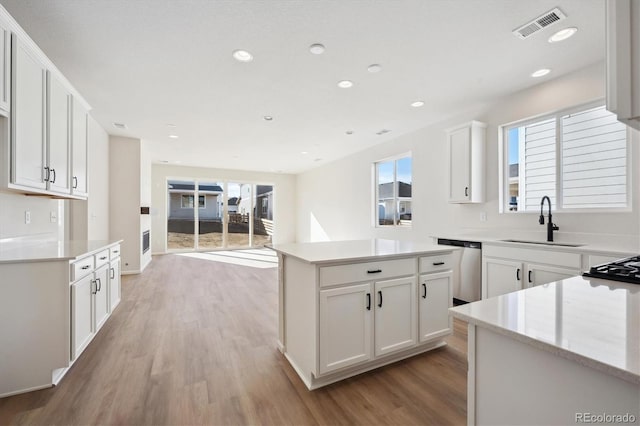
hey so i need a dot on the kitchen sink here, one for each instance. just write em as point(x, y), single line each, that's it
point(544, 243)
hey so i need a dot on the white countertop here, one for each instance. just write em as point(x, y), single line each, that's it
point(45, 251)
point(339, 251)
point(591, 321)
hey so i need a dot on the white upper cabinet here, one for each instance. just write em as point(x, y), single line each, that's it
point(58, 121)
point(28, 119)
point(623, 60)
point(466, 162)
point(5, 68)
point(79, 150)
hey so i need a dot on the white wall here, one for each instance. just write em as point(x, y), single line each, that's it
point(89, 220)
point(124, 205)
point(285, 197)
point(13, 207)
point(348, 182)
point(145, 196)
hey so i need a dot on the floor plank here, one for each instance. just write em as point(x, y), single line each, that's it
point(193, 342)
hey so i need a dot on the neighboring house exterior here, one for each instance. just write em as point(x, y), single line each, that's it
point(264, 202)
point(182, 201)
point(386, 200)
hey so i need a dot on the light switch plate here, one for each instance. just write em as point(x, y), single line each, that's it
point(27, 217)
point(53, 217)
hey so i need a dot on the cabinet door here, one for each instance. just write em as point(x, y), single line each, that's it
point(501, 277)
point(82, 329)
point(5, 70)
point(28, 145)
point(114, 283)
point(101, 296)
point(541, 274)
point(58, 136)
point(459, 164)
point(345, 326)
point(79, 138)
point(395, 321)
point(434, 302)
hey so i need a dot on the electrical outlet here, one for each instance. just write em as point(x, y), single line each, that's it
point(27, 217)
point(53, 217)
point(483, 216)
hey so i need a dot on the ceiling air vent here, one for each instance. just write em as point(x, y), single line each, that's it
point(120, 125)
point(539, 23)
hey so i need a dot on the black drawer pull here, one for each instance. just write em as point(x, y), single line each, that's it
point(85, 267)
point(374, 271)
point(438, 263)
point(103, 257)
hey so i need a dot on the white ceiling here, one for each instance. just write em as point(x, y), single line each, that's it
point(149, 63)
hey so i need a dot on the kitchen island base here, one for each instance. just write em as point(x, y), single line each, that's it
point(515, 383)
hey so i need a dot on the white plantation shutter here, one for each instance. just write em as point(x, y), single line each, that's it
point(594, 160)
point(539, 175)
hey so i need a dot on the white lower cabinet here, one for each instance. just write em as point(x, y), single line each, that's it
point(101, 296)
point(394, 324)
point(114, 283)
point(82, 328)
point(345, 326)
point(507, 269)
point(434, 302)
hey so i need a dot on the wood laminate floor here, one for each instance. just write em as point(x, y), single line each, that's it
point(194, 342)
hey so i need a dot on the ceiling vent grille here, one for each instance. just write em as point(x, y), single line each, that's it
point(539, 23)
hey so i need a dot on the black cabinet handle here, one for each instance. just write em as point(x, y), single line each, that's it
point(46, 176)
point(530, 277)
point(424, 296)
point(374, 271)
point(368, 301)
point(518, 274)
point(466, 191)
point(103, 257)
point(380, 296)
point(75, 182)
point(54, 175)
point(438, 263)
point(85, 267)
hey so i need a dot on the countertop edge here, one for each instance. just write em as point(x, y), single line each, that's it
point(321, 262)
point(66, 258)
point(548, 347)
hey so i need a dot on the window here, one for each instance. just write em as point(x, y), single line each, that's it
point(187, 202)
point(393, 180)
point(577, 157)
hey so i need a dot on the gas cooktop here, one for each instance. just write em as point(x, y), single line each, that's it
point(627, 270)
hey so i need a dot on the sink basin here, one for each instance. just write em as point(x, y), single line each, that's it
point(544, 243)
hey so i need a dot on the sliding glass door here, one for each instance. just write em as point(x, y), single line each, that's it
point(209, 215)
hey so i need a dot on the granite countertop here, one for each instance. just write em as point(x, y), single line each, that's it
point(339, 251)
point(591, 321)
point(46, 251)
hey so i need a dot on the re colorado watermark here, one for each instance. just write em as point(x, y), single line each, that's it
point(594, 418)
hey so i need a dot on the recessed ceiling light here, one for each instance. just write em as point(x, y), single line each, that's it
point(242, 56)
point(374, 68)
point(349, 132)
point(417, 104)
point(541, 72)
point(171, 125)
point(316, 49)
point(267, 118)
point(345, 84)
point(563, 34)
point(304, 152)
point(173, 136)
point(120, 125)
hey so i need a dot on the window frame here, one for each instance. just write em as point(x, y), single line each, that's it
point(396, 198)
point(503, 157)
point(193, 197)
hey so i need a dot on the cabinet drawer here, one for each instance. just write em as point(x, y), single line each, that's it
point(542, 255)
point(114, 251)
point(81, 268)
point(333, 275)
point(102, 258)
point(442, 262)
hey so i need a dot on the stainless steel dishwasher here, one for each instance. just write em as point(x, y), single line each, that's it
point(467, 277)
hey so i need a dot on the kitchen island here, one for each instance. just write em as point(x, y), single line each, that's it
point(346, 307)
point(561, 353)
point(54, 298)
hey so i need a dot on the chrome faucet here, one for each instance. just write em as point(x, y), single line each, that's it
point(550, 225)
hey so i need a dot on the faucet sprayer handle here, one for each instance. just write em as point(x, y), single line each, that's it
point(555, 227)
